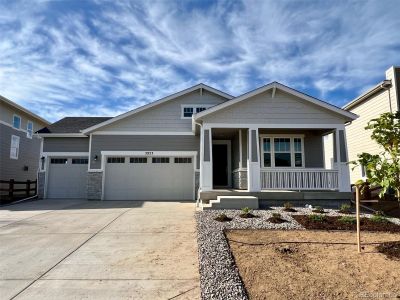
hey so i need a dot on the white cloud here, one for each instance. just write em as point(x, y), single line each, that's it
point(115, 56)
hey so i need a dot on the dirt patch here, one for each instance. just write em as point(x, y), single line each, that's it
point(276, 219)
point(223, 218)
point(289, 209)
point(338, 223)
point(248, 216)
point(278, 264)
point(390, 249)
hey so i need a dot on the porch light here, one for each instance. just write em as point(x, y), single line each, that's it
point(95, 157)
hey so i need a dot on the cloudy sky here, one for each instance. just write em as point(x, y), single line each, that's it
point(101, 58)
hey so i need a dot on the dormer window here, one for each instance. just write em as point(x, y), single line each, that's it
point(189, 109)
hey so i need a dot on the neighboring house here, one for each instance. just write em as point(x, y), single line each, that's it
point(200, 143)
point(382, 98)
point(19, 145)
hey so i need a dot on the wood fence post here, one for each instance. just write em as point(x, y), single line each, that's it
point(11, 189)
point(358, 218)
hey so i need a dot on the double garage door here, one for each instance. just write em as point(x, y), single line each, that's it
point(149, 178)
point(67, 177)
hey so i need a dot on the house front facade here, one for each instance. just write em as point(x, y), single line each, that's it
point(382, 98)
point(19, 146)
point(198, 142)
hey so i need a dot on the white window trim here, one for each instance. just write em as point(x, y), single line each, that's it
point(29, 134)
point(20, 121)
point(11, 147)
point(194, 106)
point(272, 150)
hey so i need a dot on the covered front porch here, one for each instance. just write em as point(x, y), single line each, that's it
point(274, 163)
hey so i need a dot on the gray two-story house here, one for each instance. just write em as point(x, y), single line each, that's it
point(19, 145)
point(200, 143)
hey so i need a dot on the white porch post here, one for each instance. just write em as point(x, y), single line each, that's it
point(206, 180)
point(253, 161)
point(341, 160)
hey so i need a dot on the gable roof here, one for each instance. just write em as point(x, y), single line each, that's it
point(272, 86)
point(158, 102)
point(19, 107)
point(72, 124)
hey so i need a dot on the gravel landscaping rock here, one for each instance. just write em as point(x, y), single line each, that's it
point(219, 275)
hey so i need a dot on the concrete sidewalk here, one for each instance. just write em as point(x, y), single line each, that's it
point(53, 249)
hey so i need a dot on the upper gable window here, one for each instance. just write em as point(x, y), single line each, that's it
point(190, 109)
point(29, 129)
point(17, 122)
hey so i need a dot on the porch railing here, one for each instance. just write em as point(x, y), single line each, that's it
point(299, 179)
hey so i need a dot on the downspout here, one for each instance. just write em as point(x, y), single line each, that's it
point(200, 151)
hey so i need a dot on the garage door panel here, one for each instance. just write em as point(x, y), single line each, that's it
point(66, 180)
point(149, 181)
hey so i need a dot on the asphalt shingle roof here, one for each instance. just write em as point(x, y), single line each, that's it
point(73, 124)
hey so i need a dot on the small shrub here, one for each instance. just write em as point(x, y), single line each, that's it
point(288, 207)
point(223, 218)
point(317, 218)
point(348, 220)
point(276, 215)
point(379, 213)
point(246, 210)
point(318, 209)
point(345, 208)
point(276, 218)
point(379, 219)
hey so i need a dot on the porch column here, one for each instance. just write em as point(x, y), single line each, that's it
point(341, 160)
point(253, 161)
point(206, 160)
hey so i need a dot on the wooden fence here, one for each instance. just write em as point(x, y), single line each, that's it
point(18, 189)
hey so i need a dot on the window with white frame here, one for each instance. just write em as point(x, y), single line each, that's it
point(29, 129)
point(282, 152)
point(14, 148)
point(190, 109)
point(16, 122)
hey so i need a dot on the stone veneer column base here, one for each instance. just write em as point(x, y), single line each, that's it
point(94, 185)
point(240, 179)
point(41, 184)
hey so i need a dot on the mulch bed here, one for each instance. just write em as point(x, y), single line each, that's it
point(223, 218)
point(390, 249)
point(289, 210)
point(248, 216)
point(276, 220)
point(333, 223)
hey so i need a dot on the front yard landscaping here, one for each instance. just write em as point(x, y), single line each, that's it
point(273, 256)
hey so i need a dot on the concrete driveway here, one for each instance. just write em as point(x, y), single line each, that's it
point(60, 249)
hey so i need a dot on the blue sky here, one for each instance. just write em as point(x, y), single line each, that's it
point(102, 58)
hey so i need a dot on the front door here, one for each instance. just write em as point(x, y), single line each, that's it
point(220, 165)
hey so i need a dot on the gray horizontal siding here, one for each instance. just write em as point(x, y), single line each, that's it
point(282, 109)
point(166, 116)
point(66, 144)
point(29, 151)
point(141, 143)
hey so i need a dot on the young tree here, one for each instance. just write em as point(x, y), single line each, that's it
point(384, 169)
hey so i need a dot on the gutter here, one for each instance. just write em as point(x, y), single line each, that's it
point(385, 84)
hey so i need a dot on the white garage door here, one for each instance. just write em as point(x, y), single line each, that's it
point(149, 178)
point(67, 177)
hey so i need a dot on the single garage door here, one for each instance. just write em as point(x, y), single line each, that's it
point(67, 177)
point(149, 178)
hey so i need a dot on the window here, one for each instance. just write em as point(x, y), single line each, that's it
point(187, 112)
point(80, 161)
point(29, 129)
point(190, 109)
point(138, 160)
point(160, 160)
point(17, 122)
point(282, 152)
point(14, 148)
point(183, 160)
point(200, 109)
point(116, 160)
point(59, 161)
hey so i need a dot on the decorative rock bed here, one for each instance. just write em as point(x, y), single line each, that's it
point(219, 276)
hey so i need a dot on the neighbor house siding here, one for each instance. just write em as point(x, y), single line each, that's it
point(359, 139)
point(282, 109)
point(166, 116)
point(141, 143)
point(7, 113)
point(28, 156)
point(66, 144)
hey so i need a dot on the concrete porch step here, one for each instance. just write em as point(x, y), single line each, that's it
point(232, 202)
